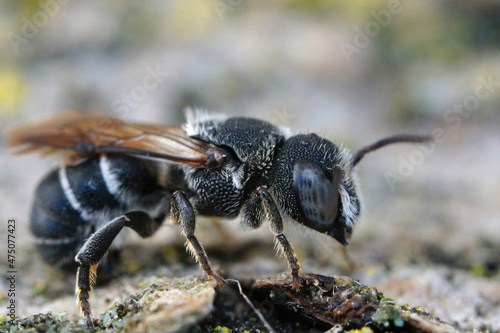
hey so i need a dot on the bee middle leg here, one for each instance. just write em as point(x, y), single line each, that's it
point(96, 247)
point(183, 213)
point(276, 223)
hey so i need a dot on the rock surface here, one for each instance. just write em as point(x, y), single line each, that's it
point(337, 303)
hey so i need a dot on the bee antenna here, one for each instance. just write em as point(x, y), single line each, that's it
point(400, 138)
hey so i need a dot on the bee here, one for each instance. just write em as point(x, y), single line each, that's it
point(117, 174)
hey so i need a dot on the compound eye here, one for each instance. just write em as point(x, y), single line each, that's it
point(317, 196)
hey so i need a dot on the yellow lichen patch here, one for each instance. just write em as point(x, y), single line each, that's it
point(40, 287)
point(222, 329)
point(386, 299)
point(170, 253)
point(132, 267)
point(478, 270)
point(12, 87)
point(362, 330)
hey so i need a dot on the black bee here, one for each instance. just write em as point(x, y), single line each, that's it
point(121, 174)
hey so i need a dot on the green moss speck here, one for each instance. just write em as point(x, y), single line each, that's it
point(387, 315)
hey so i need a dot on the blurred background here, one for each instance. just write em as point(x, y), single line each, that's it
point(353, 72)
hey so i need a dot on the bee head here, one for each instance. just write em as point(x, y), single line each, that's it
point(314, 185)
point(322, 195)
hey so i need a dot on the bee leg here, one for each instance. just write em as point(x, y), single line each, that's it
point(96, 247)
point(276, 222)
point(183, 213)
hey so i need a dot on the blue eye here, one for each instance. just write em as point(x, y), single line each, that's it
point(317, 196)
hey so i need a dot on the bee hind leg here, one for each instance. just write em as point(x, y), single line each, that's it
point(183, 212)
point(96, 247)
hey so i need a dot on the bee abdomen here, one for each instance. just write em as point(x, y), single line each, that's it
point(58, 228)
point(74, 201)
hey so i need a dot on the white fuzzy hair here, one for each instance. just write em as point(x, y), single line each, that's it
point(197, 116)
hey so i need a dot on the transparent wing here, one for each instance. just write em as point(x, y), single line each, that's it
point(78, 135)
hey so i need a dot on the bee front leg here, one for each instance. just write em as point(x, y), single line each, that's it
point(183, 213)
point(276, 223)
point(96, 247)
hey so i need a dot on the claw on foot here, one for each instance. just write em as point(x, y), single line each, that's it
point(90, 322)
point(296, 282)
